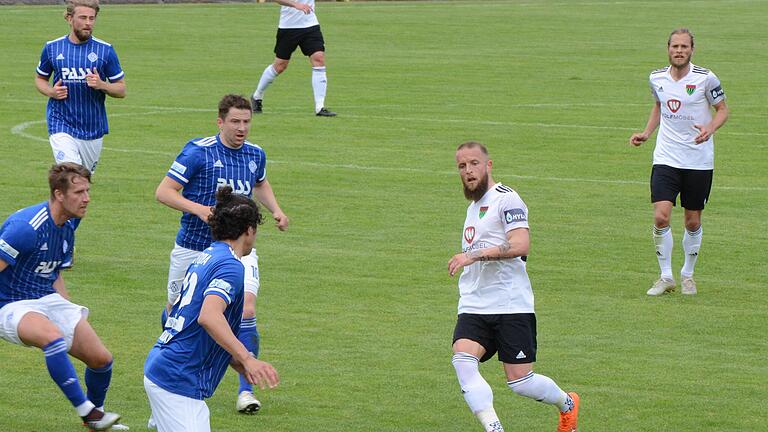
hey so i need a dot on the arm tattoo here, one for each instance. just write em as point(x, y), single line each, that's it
point(504, 249)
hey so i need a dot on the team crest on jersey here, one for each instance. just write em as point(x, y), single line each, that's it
point(469, 234)
point(674, 105)
point(93, 57)
point(483, 210)
point(252, 166)
point(690, 88)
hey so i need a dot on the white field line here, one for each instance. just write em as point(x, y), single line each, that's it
point(20, 130)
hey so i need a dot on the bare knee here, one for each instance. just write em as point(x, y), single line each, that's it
point(249, 306)
point(661, 219)
point(99, 359)
point(280, 66)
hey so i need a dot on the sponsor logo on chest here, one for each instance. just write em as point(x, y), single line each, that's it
point(469, 234)
point(238, 186)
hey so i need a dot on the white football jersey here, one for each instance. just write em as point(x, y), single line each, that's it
point(685, 103)
point(294, 18)
point(494, 287)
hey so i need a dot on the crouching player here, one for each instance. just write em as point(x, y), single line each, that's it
point(35, 244)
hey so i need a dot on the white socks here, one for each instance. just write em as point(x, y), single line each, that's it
point(662, 237)
point(319, 86)
point(267, 77)
point(542, 389)
point(476, 390)
point(691, 245)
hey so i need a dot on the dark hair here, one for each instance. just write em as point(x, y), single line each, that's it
point(473, 144)
point(232, 101)
point(61, 176)
point(233, 215)
point(681, 30)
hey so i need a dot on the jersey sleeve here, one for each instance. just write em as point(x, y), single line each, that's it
point(261, 171)
point(653, 90)
point(513, 212)
point(187, 164)
point(44, 67)
point(715, 93)
point(18, 238)
point(226, 281)
point(113, 71)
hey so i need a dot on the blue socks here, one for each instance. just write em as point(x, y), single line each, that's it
point(63, 372)
point(97, 383)
point(249, 336)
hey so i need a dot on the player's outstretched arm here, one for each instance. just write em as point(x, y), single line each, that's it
point(653, 122)
point(168, 192)
point(61, 287)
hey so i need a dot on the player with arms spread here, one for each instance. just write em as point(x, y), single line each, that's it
point(684, 157)
point(495, 296)
point(83, 69)
point(198, 343)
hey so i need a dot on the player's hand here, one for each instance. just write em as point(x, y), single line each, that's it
point(307, 9)
point(204, 213)
point(457, 262)
point(705, 132)
point(59, 91)
point(638, 138)
point(93, 80)
point(281, 220)
point(260, 373)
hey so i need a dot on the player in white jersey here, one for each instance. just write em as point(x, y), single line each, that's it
point(683, 160)
point(298, 27)
point(82, 70)
point(190, 186)
point(35, 245)
point(199, 338)
point(495, 298)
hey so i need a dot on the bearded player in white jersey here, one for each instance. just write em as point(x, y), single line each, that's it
point(495, 297)
point(683, 160)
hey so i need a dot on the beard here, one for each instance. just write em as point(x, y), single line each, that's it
point(477, 193)
point(82, 35)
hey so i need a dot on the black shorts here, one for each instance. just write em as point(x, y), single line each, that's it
point(513, 336)
point(310, 40)
point(692, 185)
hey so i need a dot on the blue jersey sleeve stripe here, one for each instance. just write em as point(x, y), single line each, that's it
point(40, 72)
point(117, 77)
point(177, 175)
point(218, 292)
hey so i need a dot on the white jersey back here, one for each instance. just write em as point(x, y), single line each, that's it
point(494, 287)
point(294, 18)
point(685, 103)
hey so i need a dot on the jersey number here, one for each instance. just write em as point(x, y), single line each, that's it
point(175, 323)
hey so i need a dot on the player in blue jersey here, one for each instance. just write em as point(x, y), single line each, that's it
point(199, 339)
point(202, 167)
point(82, 70)
point(35, 244)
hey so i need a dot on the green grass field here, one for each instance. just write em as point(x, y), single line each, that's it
point(356, 309)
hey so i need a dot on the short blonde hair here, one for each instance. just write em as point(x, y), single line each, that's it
point(72, 4)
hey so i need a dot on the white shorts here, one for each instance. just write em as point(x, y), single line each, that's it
point(182, 258)
point(67, 148)
point(176, 413)
point(61, 312)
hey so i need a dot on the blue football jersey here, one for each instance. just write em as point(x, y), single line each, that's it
point(82, 114)
point(35, 249)
point(186, 360)
point(205, 165)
